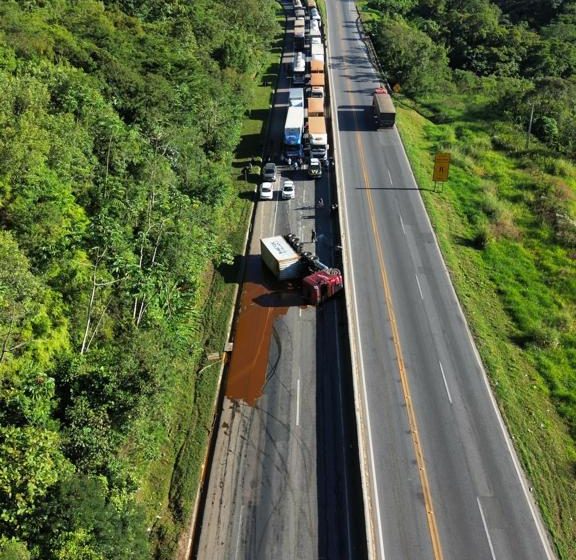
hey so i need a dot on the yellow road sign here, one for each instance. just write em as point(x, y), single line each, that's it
point(441, 167)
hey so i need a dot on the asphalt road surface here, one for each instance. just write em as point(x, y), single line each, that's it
point(284, 482)
point(441, 479)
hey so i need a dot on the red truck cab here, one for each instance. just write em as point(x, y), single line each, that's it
point(321, 285)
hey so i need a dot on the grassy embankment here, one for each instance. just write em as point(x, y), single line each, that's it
point(172, 478)
point(516, 281)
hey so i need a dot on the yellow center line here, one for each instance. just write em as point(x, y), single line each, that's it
point(432, 525)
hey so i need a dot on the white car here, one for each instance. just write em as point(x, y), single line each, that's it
point(266, 191)
point(316, 41)
point(315, 14)
point(288, 189)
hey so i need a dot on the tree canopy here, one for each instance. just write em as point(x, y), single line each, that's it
point(426, 46)
point(118, 120)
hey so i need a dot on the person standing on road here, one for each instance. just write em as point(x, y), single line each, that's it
point(313, 236)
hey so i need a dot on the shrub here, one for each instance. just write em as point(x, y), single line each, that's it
point(482, 237)
point(552, 207)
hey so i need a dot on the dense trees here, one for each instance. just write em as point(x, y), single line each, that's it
point(420, 43)
point(118, 122)
point(412, 57)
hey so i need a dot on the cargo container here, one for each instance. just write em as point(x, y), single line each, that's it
point(383, 109)
point(282, 260)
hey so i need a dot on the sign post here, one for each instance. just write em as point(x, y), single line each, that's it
point(441, 168)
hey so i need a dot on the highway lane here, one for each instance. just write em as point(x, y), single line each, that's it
point(285, 480)
point(443, 482)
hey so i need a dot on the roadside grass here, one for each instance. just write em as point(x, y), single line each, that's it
point(515, 276)
point(321, 4)
point(173, 434)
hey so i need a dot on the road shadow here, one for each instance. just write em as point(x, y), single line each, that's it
point(341, 529)
point(353, 118)
point(281, 298)
point(251, 144)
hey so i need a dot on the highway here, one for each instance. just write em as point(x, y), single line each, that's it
point(285, 481)
point(440, 476)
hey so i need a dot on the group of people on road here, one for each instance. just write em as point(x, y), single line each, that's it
point(294, 164)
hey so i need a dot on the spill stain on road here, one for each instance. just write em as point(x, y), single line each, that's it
point(260, 306)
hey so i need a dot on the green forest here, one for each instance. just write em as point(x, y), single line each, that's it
point(118, 125)
point(494, 83)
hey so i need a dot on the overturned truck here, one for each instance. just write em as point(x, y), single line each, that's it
point(284, 257)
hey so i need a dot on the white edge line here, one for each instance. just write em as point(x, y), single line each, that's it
point(445, 382)
point(516, 462)
point(419, 287)
point(486, 528)
point(298, 402)
point(359, 368)
point(239, 532)
point(402, 223)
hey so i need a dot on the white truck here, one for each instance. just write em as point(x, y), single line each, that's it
point(317, 52)
point(296, 97)
point(280, 258)
point(299, 33)
point(318, 137)
point(293, 133)
point(315, 33)
point(299, 69)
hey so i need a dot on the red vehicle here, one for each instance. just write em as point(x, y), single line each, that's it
point(283, 255)
point(321, 285)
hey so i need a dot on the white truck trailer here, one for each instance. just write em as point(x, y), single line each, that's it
point(280, 258)
point(317, 52)
point(296, 97)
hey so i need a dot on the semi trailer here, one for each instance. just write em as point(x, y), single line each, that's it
point(383, 109)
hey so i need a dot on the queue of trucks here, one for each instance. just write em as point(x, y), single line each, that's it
point(307, 93)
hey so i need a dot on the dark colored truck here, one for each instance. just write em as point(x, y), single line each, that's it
point(383, 109)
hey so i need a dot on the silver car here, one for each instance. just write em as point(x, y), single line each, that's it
point(269, 171)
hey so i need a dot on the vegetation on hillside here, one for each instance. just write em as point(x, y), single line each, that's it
point(475, 70)
point(118, 121)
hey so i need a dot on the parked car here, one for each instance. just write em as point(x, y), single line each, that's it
point(315, 14)
point(316, 41)
point(266, 191)
point(288, 189)
point(269, 171)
